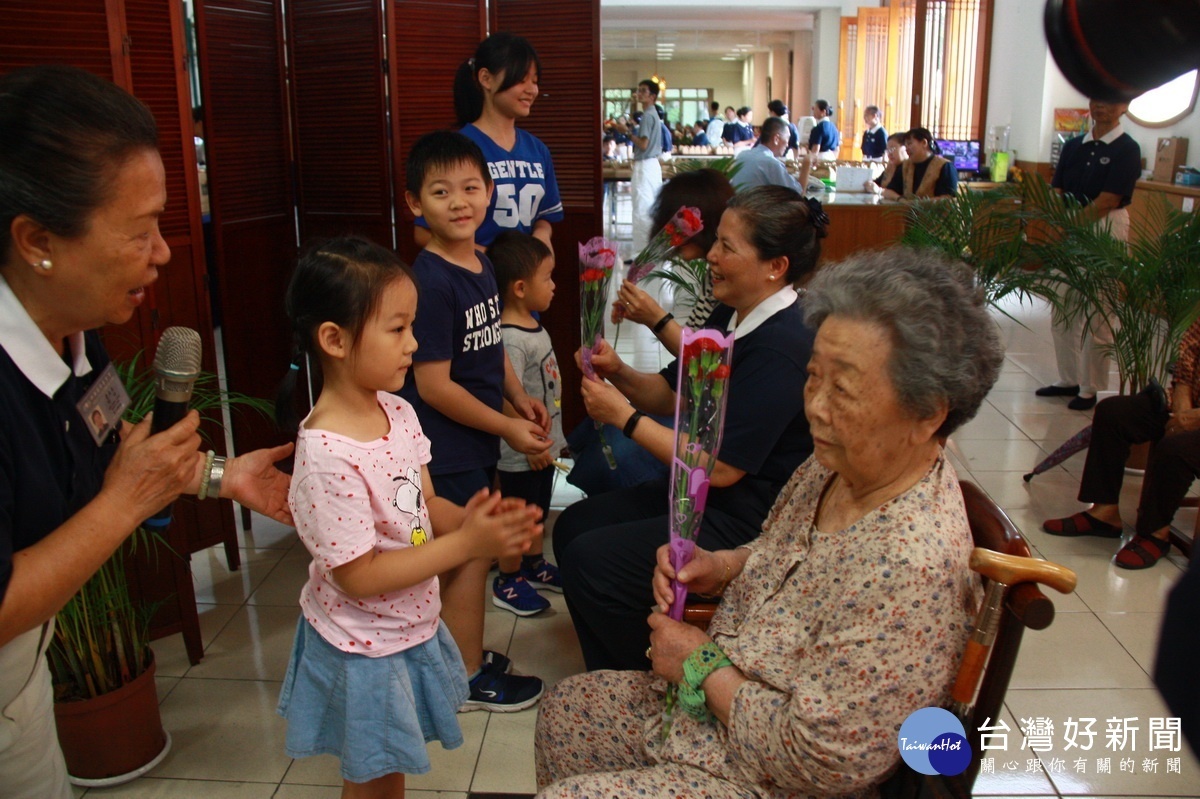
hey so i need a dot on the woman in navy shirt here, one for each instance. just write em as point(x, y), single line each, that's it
point(82, 187)
point(767, 244)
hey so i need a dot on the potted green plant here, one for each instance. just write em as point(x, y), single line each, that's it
point(1147, 289)
point(106, 706)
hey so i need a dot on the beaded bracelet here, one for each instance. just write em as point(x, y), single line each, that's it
point(206, 474)
point(704, 660)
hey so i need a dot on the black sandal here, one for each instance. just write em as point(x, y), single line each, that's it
point(1082, 523)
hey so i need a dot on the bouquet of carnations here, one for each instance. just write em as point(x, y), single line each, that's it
point(596, 260)
point(700, 398)
point(663, 244)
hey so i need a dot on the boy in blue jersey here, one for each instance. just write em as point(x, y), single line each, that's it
point(461, 378)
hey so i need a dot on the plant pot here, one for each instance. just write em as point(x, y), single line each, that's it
point(115, 737)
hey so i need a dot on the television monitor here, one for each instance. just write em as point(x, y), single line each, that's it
point(963, 153)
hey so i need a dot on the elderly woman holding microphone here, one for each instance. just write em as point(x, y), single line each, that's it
point(81, 190)
point(851, 610)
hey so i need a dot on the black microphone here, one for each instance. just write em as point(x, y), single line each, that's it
point(176, 367)
point(1114, 50)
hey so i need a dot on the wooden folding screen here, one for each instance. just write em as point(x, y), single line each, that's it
point(340, 133)
point(429, 40)
point(248, 148)
point(567, 119)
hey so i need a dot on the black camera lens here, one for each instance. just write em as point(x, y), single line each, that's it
point(1115, 50)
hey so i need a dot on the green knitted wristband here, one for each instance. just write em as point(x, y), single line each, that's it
point(704, 660)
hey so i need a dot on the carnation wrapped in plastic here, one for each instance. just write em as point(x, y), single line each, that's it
point(685, 224)
point(701, 395)
point(596, 260)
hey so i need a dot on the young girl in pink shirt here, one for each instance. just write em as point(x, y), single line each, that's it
point(374, 675)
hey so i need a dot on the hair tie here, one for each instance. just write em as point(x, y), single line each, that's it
point(817, 216)
point(295, 364)
point(471, 62)
point(295, 367)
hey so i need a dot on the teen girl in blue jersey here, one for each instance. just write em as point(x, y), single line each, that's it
point(491, 92)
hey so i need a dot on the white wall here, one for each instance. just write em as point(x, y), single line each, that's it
point(1025, 86)
point(723, 77)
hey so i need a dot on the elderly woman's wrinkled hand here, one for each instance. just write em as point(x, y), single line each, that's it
point(253, 480)
point(704, 574)
point(670, 644)
point(148, 471)
point(604, 403)
point(605, 360)
point(639, 306)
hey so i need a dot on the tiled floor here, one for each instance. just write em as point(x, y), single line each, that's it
point(1094, 661)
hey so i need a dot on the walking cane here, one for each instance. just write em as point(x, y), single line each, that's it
point(1001, 571)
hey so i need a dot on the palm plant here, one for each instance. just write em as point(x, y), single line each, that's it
point(1147, 290)
point(986, 230)
point(101, 636)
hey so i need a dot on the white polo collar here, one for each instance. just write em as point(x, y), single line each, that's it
point(762, 312)
point(31, 352)
point(1107, 138)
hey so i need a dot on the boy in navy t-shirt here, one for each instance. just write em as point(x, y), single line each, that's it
point(461, 376)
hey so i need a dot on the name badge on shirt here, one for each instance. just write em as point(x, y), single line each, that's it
point(104, 404)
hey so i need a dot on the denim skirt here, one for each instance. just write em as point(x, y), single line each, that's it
point(374, 713)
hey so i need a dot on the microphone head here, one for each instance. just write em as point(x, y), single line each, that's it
point(177, 363)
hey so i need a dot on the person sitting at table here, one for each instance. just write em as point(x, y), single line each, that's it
point(1173, 426)
point(895, 156)
point(760, 165)
point(925, 175)
point(768, 242)
point(853, 607)
point(700, 134)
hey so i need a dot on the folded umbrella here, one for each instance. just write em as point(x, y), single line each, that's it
point(1074, 444)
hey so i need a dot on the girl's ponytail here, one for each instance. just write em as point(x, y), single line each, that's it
point(286, 415)
point(468, 94)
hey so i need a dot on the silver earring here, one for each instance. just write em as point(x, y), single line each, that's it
point(45, 264)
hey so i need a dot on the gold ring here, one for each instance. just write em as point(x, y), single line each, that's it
point(648, 655)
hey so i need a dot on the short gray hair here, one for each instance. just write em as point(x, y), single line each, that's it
point(945, 347)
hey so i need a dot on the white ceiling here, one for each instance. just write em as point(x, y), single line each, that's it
point(666, 32)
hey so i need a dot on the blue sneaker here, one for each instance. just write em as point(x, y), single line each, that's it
point(543, 575)
point(516, 595)
point(496, 692)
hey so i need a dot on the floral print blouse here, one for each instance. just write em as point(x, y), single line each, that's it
point(841, 634)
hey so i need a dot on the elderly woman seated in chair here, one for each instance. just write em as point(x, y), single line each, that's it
point(851, 610)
